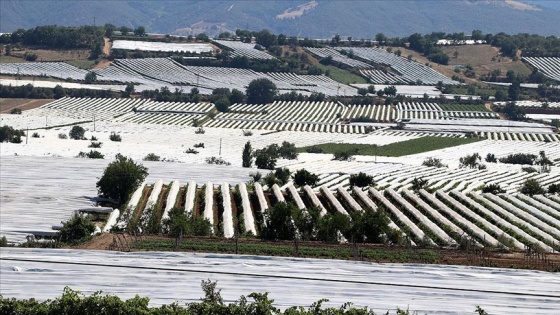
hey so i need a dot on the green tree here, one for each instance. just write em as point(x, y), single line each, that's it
point(90, 77)
point(247, 156)
point(77, 132)
point(261, 91)
point(470, 161)
point(121, 178)
point(303, 177)
point(76, 229)
point(419, 183)
point(140, 31)
point(279, 224)
point(532, 187)
point(236, 97)
point(222, 104)
point(361, 180)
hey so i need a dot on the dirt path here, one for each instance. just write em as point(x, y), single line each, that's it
point(107, 46)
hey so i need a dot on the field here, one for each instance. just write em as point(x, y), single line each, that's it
point(7, 104)
point(414, 146)
point(289, 281)
point(342, 75)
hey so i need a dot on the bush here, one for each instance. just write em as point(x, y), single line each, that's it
point(217, 161)
point(95, 144)
point(15, 111)
point(62, 136)
point(247, 133)
point(77, 133)
point(151, 157)
point(419, 183)
point(519, 158)
point(93, 138)
point(531, 187)
point(91, 155)
point(303, 177)
point(200, 131)
point(36, 135)
point(9, 134)
point(314, 150)
point(491, 158)
point(265, 161)
point(343, 156)
point(288, 151)
point(199, 145)
point(529, 169)
point(470, 161)
point(3, 241)
point(181, 223)
point(493, 189)
point(76, 229)
point(282, 174)
point(247, 155)
point(361, 180)
point(433, 162)
point(554, 188)
point(121, 178)
point(115, 137)
point(191, 151)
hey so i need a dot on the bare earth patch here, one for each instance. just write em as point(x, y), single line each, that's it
point(7, 104)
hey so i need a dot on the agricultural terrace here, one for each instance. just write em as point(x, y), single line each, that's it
point(427, 219)
point(240, 49)
point(383, 77)
point(532, 104)
point(408, 69)
point(59, 70)
point(196, 48)
point(434, 111)
point(550, 66)
point(337, 57)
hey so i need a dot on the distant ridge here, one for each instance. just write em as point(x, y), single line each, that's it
point(304, 18)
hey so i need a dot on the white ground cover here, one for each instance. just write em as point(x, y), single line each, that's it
point(38, 192)
point(158, 46)
point(228, 214)
point(427, 289)
point(66, 85)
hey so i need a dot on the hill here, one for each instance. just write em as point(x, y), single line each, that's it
point(315, 19)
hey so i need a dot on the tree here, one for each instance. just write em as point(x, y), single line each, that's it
point(58, 91)
point(236, 97)
point(288, 151)
point(361, 180)
point(279, 224)
point(10, 134)
point(261, 91)
point(282, 174)
point(419, 183)
point(554, 188)
point(222, 104)
point(491, 158)
point(265, 160)
point(544, 162)
point(140, 31)
point(531, 187)
point(76, 229)
point(77, 133)
point(304, 177)
point(433, 162)
point(181, 223)
point(121, 178)
point(90, 77)
point(514, 112)
point(247, 155)
point(493, 189)
point(470, 161)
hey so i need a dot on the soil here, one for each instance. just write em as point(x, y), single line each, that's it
point(7, 104)
point(106, 46)
point(488, 258)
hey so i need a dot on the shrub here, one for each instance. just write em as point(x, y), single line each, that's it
point(62, 136)
point(115, 137)
point(95, 144)
point(181, 223)
point(15, 111)
point(529, 169)
point(217, 161)
point(91, 155)
point(191, 151)
point(247, 133)
point(491, 158)
point(9, 134)
point(554, 188)
point(76, 229)
point(4, 241)
point(247, 155)
point(121, 178)
point(282, 174)
point(265, 160)
point(361, 180)
point(93, 138)
point(493, 189)
point(151, 157)
point(77, 133)
point(288, 151)
point(532, 187)
point(36, 135)
point(304, 177)
point(419, 183)
point(199, 145)
point(470, 161)
point(199, 131)
point(343, 156)
point(433, 162)
point(519, 158)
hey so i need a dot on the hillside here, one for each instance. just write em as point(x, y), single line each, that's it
point(316, 19)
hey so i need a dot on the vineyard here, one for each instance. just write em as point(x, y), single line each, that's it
point(443, 218)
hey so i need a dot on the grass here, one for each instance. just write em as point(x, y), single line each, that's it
point(11, 59)
point(287, 249)
point(82, 64)
point(403, 148)
point(342, 75)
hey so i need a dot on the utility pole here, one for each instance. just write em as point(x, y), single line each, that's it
point(93, 121)
point(220, 147)
point(27, 135)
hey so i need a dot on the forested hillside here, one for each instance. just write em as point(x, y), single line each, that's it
point(315, 19)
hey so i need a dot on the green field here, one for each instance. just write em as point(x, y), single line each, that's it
point(284, 249)
point(464, 108)
point(342, 76)
point(82, 64)
point(408, 147)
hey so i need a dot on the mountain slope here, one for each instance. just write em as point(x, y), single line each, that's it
point(315, 19)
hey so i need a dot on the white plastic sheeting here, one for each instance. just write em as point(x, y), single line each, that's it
point(228, 214)
point(248, 219)
point(190, 196)
point(111, 221)
point(172, 192)
point(209, 204)
point(425, 289)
